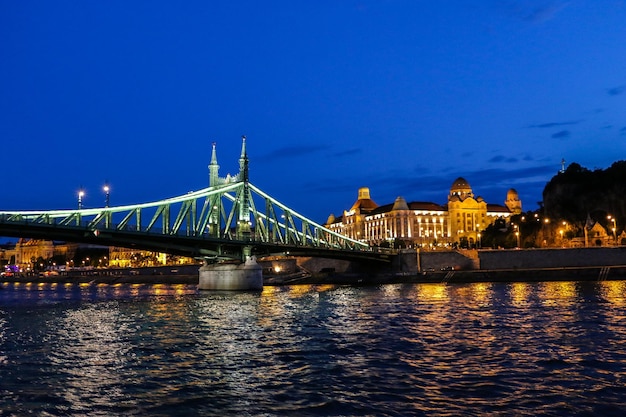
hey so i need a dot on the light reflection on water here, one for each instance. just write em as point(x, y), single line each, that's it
point(553, 348)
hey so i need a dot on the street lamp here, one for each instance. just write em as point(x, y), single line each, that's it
point(81, 194)
point(611, 218)
point(477, 235)
point(517, 231)
point(107, 194)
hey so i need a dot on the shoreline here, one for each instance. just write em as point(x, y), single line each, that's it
point(591, 273)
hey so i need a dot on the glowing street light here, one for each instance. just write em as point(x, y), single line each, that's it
point(611, 218)
point(516, 227)
point(81, 194)
point(107, 190)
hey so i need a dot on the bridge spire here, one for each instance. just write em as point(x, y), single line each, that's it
point(243, 227)
point(243, 161)
point(213, 169)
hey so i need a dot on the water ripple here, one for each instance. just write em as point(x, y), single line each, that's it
point(444, 350)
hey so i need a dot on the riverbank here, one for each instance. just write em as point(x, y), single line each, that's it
point(593, 273)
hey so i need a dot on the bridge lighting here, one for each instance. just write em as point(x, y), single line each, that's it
point(107, 194)
point(81, 194)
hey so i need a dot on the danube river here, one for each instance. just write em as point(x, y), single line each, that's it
point(552, 349)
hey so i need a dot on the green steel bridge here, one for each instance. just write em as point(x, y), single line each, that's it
point(230, 219)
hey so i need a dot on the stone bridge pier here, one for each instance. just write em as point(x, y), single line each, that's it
point(247, 276)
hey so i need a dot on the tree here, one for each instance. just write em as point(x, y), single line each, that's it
point(579, 193)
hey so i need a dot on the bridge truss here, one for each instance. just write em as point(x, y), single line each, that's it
point(230, 220)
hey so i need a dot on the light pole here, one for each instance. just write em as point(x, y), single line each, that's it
point(516, 227)
point(81, 194)
point(611, 218)
point(477, 235)
point(106, 194)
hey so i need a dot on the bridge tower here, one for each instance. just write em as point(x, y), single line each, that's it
point(248, 275)
point(214, 169)
point(243, 223)
point(214, 180)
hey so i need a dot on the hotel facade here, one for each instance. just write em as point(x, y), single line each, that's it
point(424, 224)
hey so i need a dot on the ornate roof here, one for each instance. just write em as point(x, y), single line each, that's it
point(400, 204)
point(497, 208)
point(365, 205)
point(460, 184)
point(414, 205)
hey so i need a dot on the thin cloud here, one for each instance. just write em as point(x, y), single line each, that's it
point(555, 124)
point(535, 12)
point(544, 13)
point(616, 91)
point(502, 158)
point(348, 152)
point(561, 135)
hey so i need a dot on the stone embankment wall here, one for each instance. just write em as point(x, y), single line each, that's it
point(436, 260)
point(316, 265)
point(410, 261)
point(552, 258)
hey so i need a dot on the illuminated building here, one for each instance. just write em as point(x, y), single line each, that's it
point(27, 251)
point(120, 257)
point(423, 223)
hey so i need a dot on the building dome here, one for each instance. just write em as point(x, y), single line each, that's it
point(460, 184)
point(461, 188)
point(400, 204)
point(364, 203)
point(512, 194)
point(364, 193)
point(513, 202)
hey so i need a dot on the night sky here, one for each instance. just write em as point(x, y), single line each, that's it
point(399, 96)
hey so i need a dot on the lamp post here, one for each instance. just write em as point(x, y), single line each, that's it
point(611, 218)
point(516, 227)
point(106, 194)
point(81, 194)
point(477, 235)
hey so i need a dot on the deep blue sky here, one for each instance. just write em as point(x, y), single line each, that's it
point(400, 96)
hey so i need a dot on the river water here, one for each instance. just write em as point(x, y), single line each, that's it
point(554, 348)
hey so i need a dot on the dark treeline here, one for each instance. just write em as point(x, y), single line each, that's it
point(579, 193)
point(572, 200)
